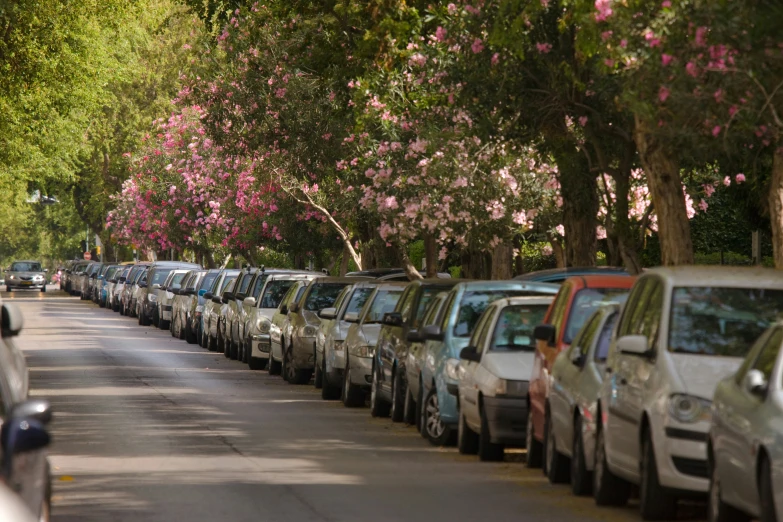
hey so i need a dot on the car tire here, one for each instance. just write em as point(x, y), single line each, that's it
point(399, 394)
point(7, 288)
point(293, 375)
point(409, 412)
point(766, 493)
point(557, 465)
point(43, 290)
point(608, 488)
point(438, 433)
point(353, 395)
point(467, 439)
point(581, 478)
point(717, 510)
point(275, 367)
point(378, 407)
point(211, 343)
point(535, 451)
point(143, 321)
point(318, 380)
point(190, 337)
point(329, 392)
point(655, 501)
point(419, 412)
point(488, 451)
point(182, 332)
point(255, 363)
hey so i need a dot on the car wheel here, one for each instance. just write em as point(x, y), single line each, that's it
point(190, 337)
point(329, 392)
point(173, 328)
point(254, 363)
point(143, 319)
point(7, 288)
point(581, 478)
point(608, 488)
point(717, 510)
point(211, 344)
point(438, 433)
point(467, 439)
point(182, 331)
point(409, 413)
point(399, 393)
point(378, 407)
point(43, 290)
point(420, 412)
point(353, 395)
point(488, 451)
point(534, 450)
point(275, 367)
point(557, 465)
point(655, 502)
point(766, 493)
point(318, 382)
point(292, 374)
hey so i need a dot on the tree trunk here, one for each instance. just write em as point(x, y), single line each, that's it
point(579, 190)
point(627, 244)
point(776, 207)
point(407, 265)
point(344, 261)
point(663, 178)
point(557, 250)
point(431, 255)
point(502, 258)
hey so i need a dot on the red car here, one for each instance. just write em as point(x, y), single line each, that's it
point(576, 301)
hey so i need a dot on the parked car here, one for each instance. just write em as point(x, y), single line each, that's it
point(13, 509)
point(137, 291)
point(109, 282)
point(147, 304)
point(465, 304)
point(559, 275)
point(302, 325)
point(79, 277)
point(745, 448)
point(330, 338)
point(233, 310)
point(389, 377)
point(25, 275)
point(576, 301)
point(127, 306)
point(494, 375)
point(165, 295)
point(212, 307)
point(23, 434)
point(267, 292)
point(195, 311)
point(116, 294)
point(389, 274)
point(98, 283)
point(280, 329)
point(181, 305)
point(577, 376)
point(682, 331)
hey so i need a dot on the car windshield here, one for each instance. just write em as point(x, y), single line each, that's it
point(111, 271)
point(176, 280)
point(227, 281)
point(514, 327)
point(357, 300)
point(384, 302)
point(587, 301)
point(206, 283)
point(160, 276)
point(427, 294)
point(275, 292)
point(258, 285)
point(245, 283)
point(323, 296)
point(25, 267)
point(473, 305)
point(605, 338)
point(721, 321)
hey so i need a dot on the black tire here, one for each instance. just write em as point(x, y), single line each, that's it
point(274, 367)
point(143, 321)
point(655, 501)
point(182, 333)
point(608, 488)
point(535, 451)
point(7, 288)
point(409, 413)
point(43, 290)
point(353, 395)
point(488, 451)
point(378, 407)
point(581, 478)
point(420, 412)
point(717, 510)
point(329, 392)
point(318, 381)
point(291, 373)
point(399, 394)
point(438, 433)
point(190, 336)
point(467, 439)
point(256, 363)
point(557, 465)
point(211, 344)
point(766, 493)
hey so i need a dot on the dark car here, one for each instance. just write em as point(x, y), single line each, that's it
point(389, 380)
point(558, 275)
point(389, 274)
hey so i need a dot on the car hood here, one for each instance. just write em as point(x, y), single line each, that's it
point(456, 345)
point(700, 374)
point(269, 313)
point(311, 317)
point(513, 366)
point(371, 333)
point(25, 274)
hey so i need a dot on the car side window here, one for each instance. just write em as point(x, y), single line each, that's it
point(405, 305)
point(480, 333)
point(445, 310)
point(765, 362)
point(653, 310)
point(633, 308)
point(559, 307)
point(605, 339)
point(432, 312)
point(588, 333)
point(759, 345)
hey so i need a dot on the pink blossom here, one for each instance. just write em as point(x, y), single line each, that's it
point(440, 34)
point(703, 205)
point(560, 230)
point(666, 59)
point(663, 93)
point(666, 4)
point(600, 233)
point(494, 61)
point(547, 250)
point(544, 48)
point(606, 35)
point(583, 120)
point(691, 69)
point(727, 181)
point(733, 110)
point(709, 190)
point(452, 8)
point(701, 36)
point(623, 43)
point(718, 95)
point(604, 8)
point(477, 46)
point(716, 130)
point(496, 210)
point(739, 178)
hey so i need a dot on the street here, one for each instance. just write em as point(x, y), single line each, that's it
point(148, 427)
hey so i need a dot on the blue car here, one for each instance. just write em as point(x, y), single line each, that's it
point(446, 338)
point(558, 275)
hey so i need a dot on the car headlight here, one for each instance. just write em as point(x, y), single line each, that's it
point(263, 324)
point(200, 309)
point(11, 277)
point(452, 369)
point(511, 388)
point(152, 298)
point(361, 351)
point(38, 278)
point(689, 409)
point(338, 345)
point(308, 331)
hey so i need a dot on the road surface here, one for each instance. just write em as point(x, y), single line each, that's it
point(150, 428)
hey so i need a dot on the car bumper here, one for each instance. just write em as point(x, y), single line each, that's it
point(165, 312)
point(25, 284)
point(360, 371)
point(260, 346)
point(304, 353)
point(507, 418)
point(681, 456)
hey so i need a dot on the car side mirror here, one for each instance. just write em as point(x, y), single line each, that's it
point(22, 435)
point(36, 409)
point(414, 336)
point(633, 345)
point(293, 308)
point(470, 353)
point(392, 319)
point(546, 333)
point(284, 310)
point(46, 269)
point(155, 286)
point(12, 320)
point(224, 299)
point(327, 313)
point(576, 357)
point(142, 285)
point(249, 301)
point(351, 317)
point(432, 332)
point(176, 291)
point(755, 383)
point(227, 296)
point(208, 295)
point(216, 299)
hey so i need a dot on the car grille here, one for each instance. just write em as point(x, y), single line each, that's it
point(26, 278)
point(692, 467)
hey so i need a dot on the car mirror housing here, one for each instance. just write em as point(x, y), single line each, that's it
point(249, 301)
point(351, 317)
point(216, 299)
point(12, 320)
point(224, 299)
point(755, 383)
point(208, 295)
point(470, 353)
point(175, 291)
point(155, 286)
point(546, 333)
point(432, 332)
point(392, 319)
point(36, 409)
point(293, 308)
point(22, 435)
point(284, 310)
point(327, 313)
point(414, 336)
point(227, 296)
point(633, 345)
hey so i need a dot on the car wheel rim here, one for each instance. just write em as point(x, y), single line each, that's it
point(434, 424)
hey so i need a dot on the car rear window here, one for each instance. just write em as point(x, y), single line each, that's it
point(359, 297)
point(384, 302)
point(275, 292)
point(587, 301)
point(514, 327)
point(473, 305)
point(323, 295)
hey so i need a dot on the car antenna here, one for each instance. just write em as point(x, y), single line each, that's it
point(263, 269)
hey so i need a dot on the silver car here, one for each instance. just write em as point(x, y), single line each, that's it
point(745, 447)
point(280, 329)
point(28, 275)
point(116, 292)
point(181, 305)
point(212, 308)
point(233, 311)
point(127, 306)
point(361, 340)
point(164, 296)
point(577, 376)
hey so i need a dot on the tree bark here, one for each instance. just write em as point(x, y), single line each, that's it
point(502, 257)
point(557, 250)
point(776, 206)
point(627, 244)
point(431, 255)
point(579, 190)
point(663, 177)
point(344, 261)
point(407, 265)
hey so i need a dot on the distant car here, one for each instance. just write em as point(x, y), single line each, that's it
point(107, 284)
point(195, 310)
point(745, 448)
point(127, 305)
point(280, 328)
point(121, 278)
point(181, 306)
point(559, 275)
point(494, 375)
point(147, 304)
point(211, 316)
point(234, 309)
point(165, 295)
point(28, 275)
point(389, 274)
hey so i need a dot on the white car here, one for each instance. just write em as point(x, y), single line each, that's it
point(682, 330)
point(494, 375)
point(165, 297)
point(212, 305)
point(280, 328)
point(577, 376)
point(745, 450)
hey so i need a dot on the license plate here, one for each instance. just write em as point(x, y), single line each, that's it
point(27, 283)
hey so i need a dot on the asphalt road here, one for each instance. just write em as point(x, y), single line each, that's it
point(150, 428)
